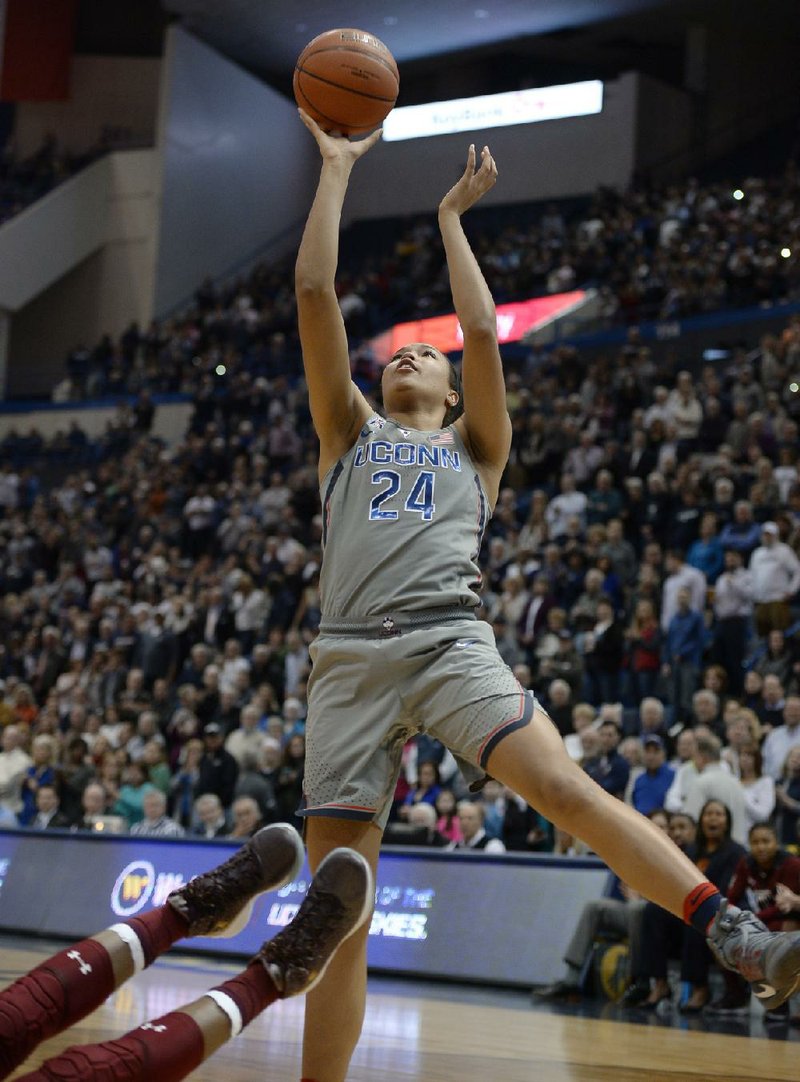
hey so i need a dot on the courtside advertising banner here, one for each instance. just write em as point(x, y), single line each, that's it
point(437, 914)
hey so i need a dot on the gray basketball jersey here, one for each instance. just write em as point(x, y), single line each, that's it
point(403, 517)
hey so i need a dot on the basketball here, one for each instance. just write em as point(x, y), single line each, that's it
point(347, 80)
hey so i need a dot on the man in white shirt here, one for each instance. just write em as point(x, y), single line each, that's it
point(782, 739)
point(156, 822)
point(680, 576)
point(568, 504)
point(733, 608)
point(246, 741)
point(715, 782)
point(775, 569)
point(14, 763)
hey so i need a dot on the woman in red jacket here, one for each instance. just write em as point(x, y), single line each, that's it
point(755, 887)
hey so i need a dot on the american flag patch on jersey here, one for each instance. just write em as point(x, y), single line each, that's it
point(441, 437)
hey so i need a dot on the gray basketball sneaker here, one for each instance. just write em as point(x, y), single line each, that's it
point(769, 960)
point(338, 902)
point(219, 903)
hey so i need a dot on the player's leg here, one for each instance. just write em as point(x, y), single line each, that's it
point(169, 1048)
point(534, 763)
point(532, 760)
point(335, 1008)
point(72, 983)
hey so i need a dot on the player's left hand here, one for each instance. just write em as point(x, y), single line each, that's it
point(473, 184)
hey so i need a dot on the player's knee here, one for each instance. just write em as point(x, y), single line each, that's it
point(562, 796)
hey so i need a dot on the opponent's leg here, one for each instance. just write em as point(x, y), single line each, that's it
point(169, 1048)
point(335, 1009)
point(74, 982)
point(534, 763)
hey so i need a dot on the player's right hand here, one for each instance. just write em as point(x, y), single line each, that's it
point(339, 147)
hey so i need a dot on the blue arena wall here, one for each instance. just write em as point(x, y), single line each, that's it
point(463, 916)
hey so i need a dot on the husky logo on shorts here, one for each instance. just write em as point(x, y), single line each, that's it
point(389, 628)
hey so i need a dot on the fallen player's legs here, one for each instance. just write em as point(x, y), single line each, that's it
point(171, 1047)
point(71, 984)
point(335, 1009)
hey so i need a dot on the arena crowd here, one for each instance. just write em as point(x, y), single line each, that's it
point(641, 567)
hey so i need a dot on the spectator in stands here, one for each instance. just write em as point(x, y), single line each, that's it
point(756, 879)
point(707, 553)
point(733, 610)
point(743, 532)
point(289, 782)
point(427, 788)
point(609, 769)
point(651, 718)
point(663, 935)
point(155, 823)
point(422, 828)
point(759, 788)
point(14, 765)
point(776, 579)
point(94, 804)
point(620, 916)
point(787, 799)
point(470, 818)
point(129, 802)
point(570, 503)
point(246, 817)
point(778, 660)
point(217, 770)
point(681, 576)
point(447, 823)
point(559, 705)
point(685, 770)
point(706, 711)
point(783, 738)
point(42, 771)
point(602, 656)
point(48, 811)
point(714, 782)
point(209, 817)
point(683, 654)
point(643, 641)
point(247, 739)
point(651, 787)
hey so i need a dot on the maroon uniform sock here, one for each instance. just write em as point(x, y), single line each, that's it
point(165, 1050)
point(158, 930)
point(71, 985)
point(251, 990)
point(51, 997)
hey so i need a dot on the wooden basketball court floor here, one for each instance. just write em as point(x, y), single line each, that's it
point(419, 1031)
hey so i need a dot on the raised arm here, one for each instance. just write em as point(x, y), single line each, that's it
point(485, 423)
point(337, 406)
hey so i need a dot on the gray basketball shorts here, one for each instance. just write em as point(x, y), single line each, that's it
point(367, 696)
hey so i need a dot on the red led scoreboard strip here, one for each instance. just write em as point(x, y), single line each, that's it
point(514, 321)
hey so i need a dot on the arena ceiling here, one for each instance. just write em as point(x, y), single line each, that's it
point(500, 44)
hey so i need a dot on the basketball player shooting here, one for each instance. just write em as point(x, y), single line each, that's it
point(405, 500)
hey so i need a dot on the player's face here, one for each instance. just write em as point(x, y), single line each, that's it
point(417, 372)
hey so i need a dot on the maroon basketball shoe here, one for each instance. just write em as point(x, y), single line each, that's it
point(219, 903)
point(338, 902)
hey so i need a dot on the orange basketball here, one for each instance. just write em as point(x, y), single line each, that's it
point(347, 80)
